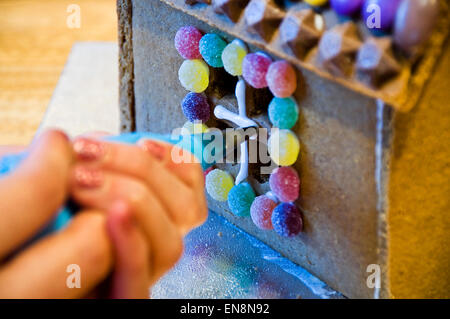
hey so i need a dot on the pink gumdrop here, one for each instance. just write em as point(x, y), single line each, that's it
point(186, 42)
point(281, 79)
point(261, 211)
point(285, 184)
point(254, 69)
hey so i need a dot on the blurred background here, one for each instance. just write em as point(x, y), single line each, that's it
point(35, 41)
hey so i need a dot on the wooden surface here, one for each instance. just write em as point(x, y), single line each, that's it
point(34, 45)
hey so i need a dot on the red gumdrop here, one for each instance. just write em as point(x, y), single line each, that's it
point(186, 42)
point(281, 79)
point(285, 184)
point(261, 211)
point(254, 69)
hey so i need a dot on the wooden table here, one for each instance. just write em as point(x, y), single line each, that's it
point(35, 41)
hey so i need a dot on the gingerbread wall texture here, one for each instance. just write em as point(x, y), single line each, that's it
point(374, 180)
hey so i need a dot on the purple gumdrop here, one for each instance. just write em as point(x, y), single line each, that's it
point(287, 220)
point(196, 107)
point(346, 7)
point(387, 10)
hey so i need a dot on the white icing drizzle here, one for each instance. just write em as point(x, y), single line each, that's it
point(222, 113)
point(242, 121)
point(272, 196)
point(318, 22)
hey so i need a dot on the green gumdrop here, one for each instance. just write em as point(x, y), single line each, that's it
point(211, 46)
point(283, 112)
point(240, 199)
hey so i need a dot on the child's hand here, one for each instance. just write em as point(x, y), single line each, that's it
point(151, 203)
point(29, 197)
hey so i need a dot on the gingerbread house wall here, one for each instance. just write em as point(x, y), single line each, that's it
point(337, 130)
point(418, 195)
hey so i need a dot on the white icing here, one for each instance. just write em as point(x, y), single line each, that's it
point(222, 113)
point(242, 121)
point(243, 169)
point(318, 22)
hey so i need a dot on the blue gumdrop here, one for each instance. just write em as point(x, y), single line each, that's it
point(211, 47)
point(195, 107)
point(283, 112)
point(240, 199)
point(287, 220)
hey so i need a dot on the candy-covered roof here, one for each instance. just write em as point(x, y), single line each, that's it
point(385, 65)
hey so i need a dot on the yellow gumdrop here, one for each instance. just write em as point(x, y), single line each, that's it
point(283, 147)
point(218, 184)
point(193, 128)
point(194, 75)
point(232, 57)
point(316, 2)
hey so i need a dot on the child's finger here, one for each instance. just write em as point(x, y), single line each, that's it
point(131, 276)
point(50, 267)
point(162, 234)
point(186, 203)
point(31, 195)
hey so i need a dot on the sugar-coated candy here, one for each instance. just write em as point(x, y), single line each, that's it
point(287, 220)
point(254, 69)
point(195, 107)
point(193, 128)
point(346, 7)
point(387, 10)
point(283, 112)
point(414, 21)
point(281, 79)
point(218, 184)
point(211, 47)
point(207, 171)
point(232, 57)
point(186, 42)
point(284, 147)
point(285, 183)
point(316, 2)
point(261, 211)
point(194, 75)
point(240, 198)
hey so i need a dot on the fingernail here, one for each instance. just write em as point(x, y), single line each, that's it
point(154, 148)
point(88, 177)
point(88, 149)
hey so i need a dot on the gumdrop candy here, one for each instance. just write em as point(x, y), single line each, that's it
point(193, 128)
point(240, 198)
point(195, 107)
point(316, 2)
point(261, 211)
point(281, 79)
point(284, 147)
point(285, 183)
point(218, 184)
point(207, 171)
point(194, 75)
point(232, 57)
point(287, 220)
point(346, 7)
point(211, 47)
point(283, 112)
point(187, 42)
point(254, 69)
